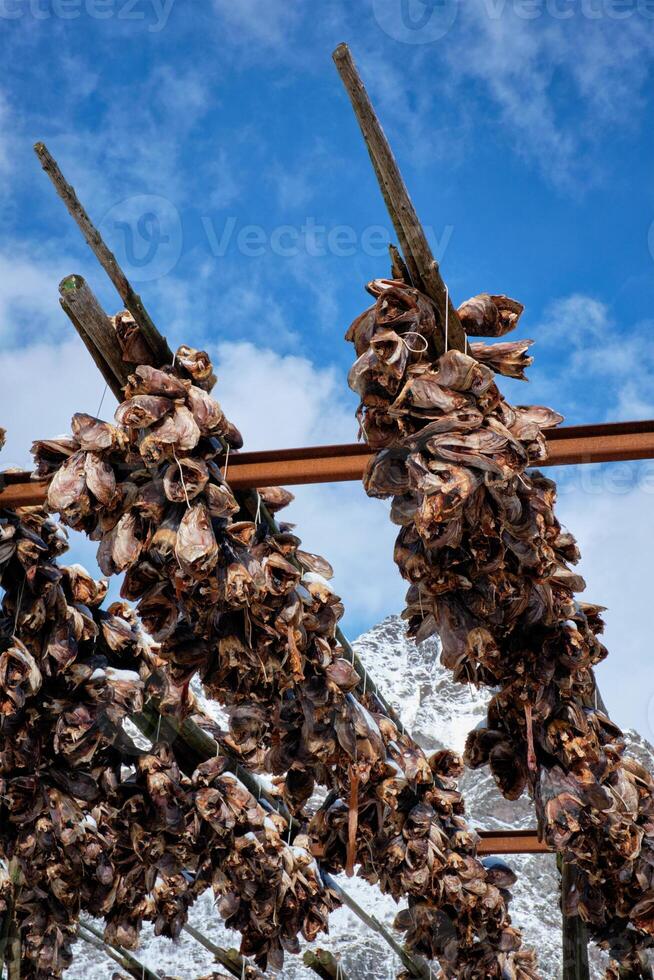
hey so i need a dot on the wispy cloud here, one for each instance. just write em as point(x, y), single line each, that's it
point(592, 365)
point(268, 25)
point(29, 305)
point(560, 86)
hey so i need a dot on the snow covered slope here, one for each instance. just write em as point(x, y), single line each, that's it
point(439, 713)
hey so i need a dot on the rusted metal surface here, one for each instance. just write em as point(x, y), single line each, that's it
point(17, 490)
point(511, 842)
point(612, 442)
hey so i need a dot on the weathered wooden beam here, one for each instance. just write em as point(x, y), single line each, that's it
point(95, 329)
point(423, 267)
point(230, 959)
point(126, 960)
point(105, 257)
point(574, 933)
point(10, 939)
point(324, 964)
point(417, 968)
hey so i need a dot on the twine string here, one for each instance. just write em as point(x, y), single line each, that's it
point(447, 313)
point(19, 604)
point(181, 476)
point(415, 350)
point(97, 414)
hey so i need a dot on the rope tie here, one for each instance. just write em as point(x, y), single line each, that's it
point(181, 476)
point(226, 463)
point(415, 350)
point(258, 514)
point(97, 414)
point(20, 603)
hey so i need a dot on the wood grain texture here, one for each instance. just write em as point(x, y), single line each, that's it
point(423, 267)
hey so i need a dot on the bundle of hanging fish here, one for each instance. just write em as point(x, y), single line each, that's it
point(93, 823)
point(489, 570)
point(239, 603)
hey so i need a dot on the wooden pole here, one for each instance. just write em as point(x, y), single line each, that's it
point(230, 959)
point(10, 951)
point(324, 964)
point(105, 257)
point(416, 967)
point(422, 265)
point(95, 329)
point(574, 931)
point(125, 959)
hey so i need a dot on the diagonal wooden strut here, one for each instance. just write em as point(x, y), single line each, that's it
point(422, 266)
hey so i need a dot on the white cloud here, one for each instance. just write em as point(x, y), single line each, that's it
point(560, 85)
point(286, 401)
point(43, 386)
point(28, 293)
point(608, 367)
point(265, 24)
point(615, 532)
point(282, 401)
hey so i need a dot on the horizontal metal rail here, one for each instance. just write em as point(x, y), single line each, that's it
point(511, 842)
point(573, 444)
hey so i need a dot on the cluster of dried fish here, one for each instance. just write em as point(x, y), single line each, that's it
point(489, 567)
point(61, 709)
point(242, 606)
point(93, 823)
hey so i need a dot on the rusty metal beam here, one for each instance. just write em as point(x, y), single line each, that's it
point(606, 443)
point(511, 842)
point(492, 842)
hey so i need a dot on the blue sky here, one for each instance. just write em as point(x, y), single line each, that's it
point(214, 144)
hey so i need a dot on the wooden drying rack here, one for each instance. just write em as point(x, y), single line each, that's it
point(569, 445)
